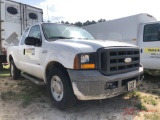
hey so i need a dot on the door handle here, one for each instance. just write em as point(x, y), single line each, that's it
point(141, 51)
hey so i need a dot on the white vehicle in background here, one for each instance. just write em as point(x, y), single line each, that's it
point(14, 18)
point(142, 30)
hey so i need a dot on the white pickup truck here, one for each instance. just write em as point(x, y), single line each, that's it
point(73, 64)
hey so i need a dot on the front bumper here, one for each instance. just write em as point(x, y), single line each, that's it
point(91, 84)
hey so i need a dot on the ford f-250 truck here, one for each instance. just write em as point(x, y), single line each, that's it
point(73, 64)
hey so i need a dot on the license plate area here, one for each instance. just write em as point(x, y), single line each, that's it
point(131, 85)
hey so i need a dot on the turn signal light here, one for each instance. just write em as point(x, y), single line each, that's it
point(87, 66)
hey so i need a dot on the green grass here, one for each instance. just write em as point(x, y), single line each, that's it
point(8, 95)
point(142, 100)
point(141, 106)
point(133, 94)
point(28, 93)
point(24, 98)
point(156, 91)
point(149, 100)
point(5, 71)
point(138, 105)
point(152, 117)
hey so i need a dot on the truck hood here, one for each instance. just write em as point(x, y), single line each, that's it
point(91, 45)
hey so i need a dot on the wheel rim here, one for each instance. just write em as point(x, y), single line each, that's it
point(12, 70)
point(57, 88)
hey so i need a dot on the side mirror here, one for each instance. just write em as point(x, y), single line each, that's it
point(31, 41)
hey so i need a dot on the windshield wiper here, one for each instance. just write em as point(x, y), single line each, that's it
point(60, 37)
point(84, 38)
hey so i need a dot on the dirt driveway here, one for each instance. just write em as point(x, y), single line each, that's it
point(23, 100)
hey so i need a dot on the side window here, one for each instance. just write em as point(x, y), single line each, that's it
point(24, 36)
point(151, 32)
point(35, 32)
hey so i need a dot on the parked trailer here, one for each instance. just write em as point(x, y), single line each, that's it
point(14, 18)
point(142, 30)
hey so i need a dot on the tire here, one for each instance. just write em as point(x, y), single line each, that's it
point(14, 71)
point(60, 89)
point(1, 66)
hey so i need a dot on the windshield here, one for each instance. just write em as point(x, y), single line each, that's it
point(60, 31)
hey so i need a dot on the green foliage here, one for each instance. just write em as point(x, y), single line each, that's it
point(141, 106)
point(80, 24)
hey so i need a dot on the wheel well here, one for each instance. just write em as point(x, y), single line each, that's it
point(53, 65)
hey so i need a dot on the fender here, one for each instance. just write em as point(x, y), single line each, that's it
point(64, 57)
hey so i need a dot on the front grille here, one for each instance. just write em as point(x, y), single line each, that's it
point(112, 60)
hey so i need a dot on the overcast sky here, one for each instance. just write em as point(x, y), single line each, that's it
point(82, 10)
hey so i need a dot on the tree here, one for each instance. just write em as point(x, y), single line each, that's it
point(87, 23)
point(78, 24)
point(62, 22)
point(66, 22)
point(93, 22)
point(101, 20)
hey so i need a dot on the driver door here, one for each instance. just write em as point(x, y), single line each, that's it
point(31, 59)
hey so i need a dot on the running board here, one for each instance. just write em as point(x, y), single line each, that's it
point(33, 79)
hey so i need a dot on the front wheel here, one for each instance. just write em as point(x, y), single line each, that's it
point(60, 89)
point(14, 71)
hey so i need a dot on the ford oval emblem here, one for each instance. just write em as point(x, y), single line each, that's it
point(128, 60)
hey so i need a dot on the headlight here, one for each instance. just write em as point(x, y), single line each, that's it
point(84, 58)
point(85, 61)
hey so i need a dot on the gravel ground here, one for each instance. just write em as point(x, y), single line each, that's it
point(41, 108)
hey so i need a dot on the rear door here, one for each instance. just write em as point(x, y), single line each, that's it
point(150, 45)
